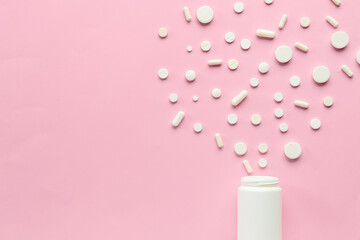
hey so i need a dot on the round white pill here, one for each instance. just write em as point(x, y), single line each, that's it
point(263, 148)
point(190, 75)
point(305, 22)
point(216, 93)
point(263, 67)
point(233, 64)
point(163, 73)
point(358, 57)
point(295, 81)
point(328, 101)
point(229, 37)
point(262, 163)
point(254, 82)
point(240, 148)
point(283, 54)
point(278, 97)
point(279, 113)
point(205, 14)
point(292, 150)
point(197, 127)
point(255, 119)
point(163, 32)
point(189, 48)
point(245, 44)
point(315, 124)
point(195, 98)
point(232, 119)
point(321, 74)
point(284, 127)
point(238, 7)
point(205, 46)
point(173, 98)
point(269, 1)
point(339, 39)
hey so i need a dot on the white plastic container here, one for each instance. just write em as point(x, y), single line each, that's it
point(259, 209)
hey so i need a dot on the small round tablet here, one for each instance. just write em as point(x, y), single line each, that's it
point(189, 48)
point(262, 163)
point(255, 119)
point(358, 57)
point(254, 82)
point(328, 101)
point(173, 98)
point(269, 1)
point(163, 73)
point(197, 127)
point(205, 46)
point(321, 74)
point(279, 113)
point(263, 67)
point(245, 44)
point(305, 22)
point(278, 97)
point(283, 54)
point(240, 148)
point(205, 14)
point(263, 148)
point(216, 93)
point(190, 75)
point(229, 37)
point(315, 124)
point(232, 119)
point(233, 64)
point(339, 39)
point(292, 150)
point(238, 7)
point(195, 98)
point(163, 32)
point(284, 127)
point(295, 81)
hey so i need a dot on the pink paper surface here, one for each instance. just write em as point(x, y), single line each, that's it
point(87, 150)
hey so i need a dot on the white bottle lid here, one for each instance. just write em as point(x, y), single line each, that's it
point(259, 181)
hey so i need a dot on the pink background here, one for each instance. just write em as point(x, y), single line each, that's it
point(87, 150)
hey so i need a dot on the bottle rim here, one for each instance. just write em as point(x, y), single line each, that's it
point(259, 181)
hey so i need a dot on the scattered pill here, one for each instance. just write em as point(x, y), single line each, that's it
point(178, 118)
point(190, 75)
point(284, 127)
point(229, 37)
point(173, 98)
point(187, 14)
point(328, 101)
point(301, 47)
point(233, 64)
point(347, 71)
point(245, 44)
point(163, 32)
point(263, 148)
point(255, 119)
point(283, 54)
point(268, 2)
point(337, 2)
point(278, 97)
point(301, 104)
point(247, 166)
point(292, 150)
point(265, 33)
point(239, 98)
point(279, 113)
point(295, 81)
point(197, 127)
point(195, 98)
point(232, 119)
point(305, 22)
point(216, 93)
point(205, 46)
point(215, 62)
point(339, 39)
point(205, 14)
point(358, 57)
point(282, 21)
point(254, 82)
point(263, 67)
point(219, 141)
point(240, 148)
point(163, 73)
point(332, 21)
point(238, 7)
point(315, 124)
point(321, 74)
point(262, 163)
point(189, 48)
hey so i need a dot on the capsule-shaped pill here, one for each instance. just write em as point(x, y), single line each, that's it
point(178, 118)
point(239, 98)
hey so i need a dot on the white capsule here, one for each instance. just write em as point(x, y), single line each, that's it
point(247, 166)
point(205, 46)
point(301, 104)
point(282, 21)
point(315, 124)
point(263, 148)
point(233, 64)
point(216, 93)
point(229, 37)
point(190, 75)
point(301, 47)
point(178, 118)
point(265, 33)
point(347, 71)
point(254, 82)
point(279, 113)
point(163, 32)
point(337, 2)
point(278, 97)
point(163, 73)
point(245, 44)
point(284, 127)
point(255, 119)
point(263, 67)
point(197, 127)
point(219, 141)
point(305, 22)
point(295, 81)
point(173, 98)
point(262, 163)
point(232, 119)
point(332, 21)
point(240, 148)
point(187, 14)
point(328, 101)
point(239, 98)
point(215, 62)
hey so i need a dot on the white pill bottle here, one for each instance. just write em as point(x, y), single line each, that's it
point(259, 208)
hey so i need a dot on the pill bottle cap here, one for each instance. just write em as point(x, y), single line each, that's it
point(259, 181)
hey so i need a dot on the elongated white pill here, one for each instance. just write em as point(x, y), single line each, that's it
point(247, 166)
point(332, 21)
point(214, 62)
point(219, 141)
point(337, 2)
point(301, 47)
point(265, 33)
point(301, 104)
point(239, 98)
point(347, 71)
point(282, 21)
point(178, 118)
point(187, 14)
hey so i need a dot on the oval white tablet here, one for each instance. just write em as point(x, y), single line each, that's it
point(328, 101)
point(295, 81)
point(339, 39)
point(216, 93)
point(189, 48)
point(283, 54)
point(205, 14)
point(279, 113)
point(278, 97)
point(240, 148)
point(263, 148)
point(232, 119)
point(178, 119)
point(163, 73)
point(233, 64)
point(190, 75)
point(255, 119)
point(173, 98)
point(197, 127)
point(262, 163)
point(263, 67)
point(229, 37)
point(254, 82)
point(292, 150)
point(238, 7)
point(305, 22)
point(358, 57)
point(245, 44)
point(269, 1)
point(315, 124)
point(321, 74)
point(195, 98)
point(205, 46)
point(284, 127)
point(163, 32)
